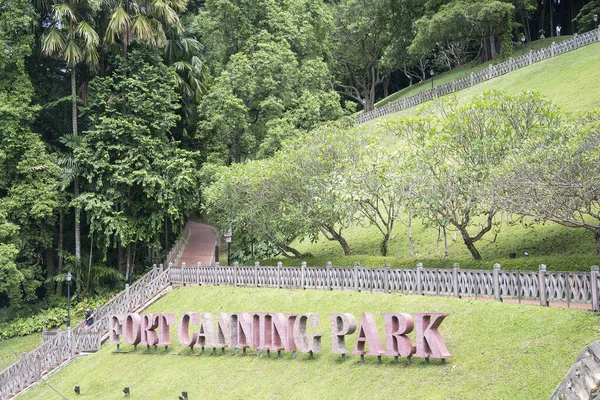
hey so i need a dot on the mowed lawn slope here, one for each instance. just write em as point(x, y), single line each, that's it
point(569, 80)
point(500, 351)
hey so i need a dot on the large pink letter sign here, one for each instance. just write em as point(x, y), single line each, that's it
point(289, 332)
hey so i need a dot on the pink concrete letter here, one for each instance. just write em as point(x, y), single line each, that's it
point(368, 334)
point(183, 329)
point(306, 342)
point(132, 332)
point(283, 332)
point(149, 325)
point(164, 320)
point(243, 330)
point(341, 325)
point(397, 325)
point(206, 333)
point(429, 340)
point(261, 331)
point(116, 322)
point(225, 331)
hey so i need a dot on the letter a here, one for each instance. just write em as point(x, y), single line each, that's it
point(368, 334)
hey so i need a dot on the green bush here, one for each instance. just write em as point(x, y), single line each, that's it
point(28, 319)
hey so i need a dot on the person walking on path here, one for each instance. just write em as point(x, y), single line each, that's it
point(558, 29)
point(89, 318)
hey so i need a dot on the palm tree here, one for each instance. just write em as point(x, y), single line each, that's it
point(144, 21)
point(73, 39)
point(182, 53)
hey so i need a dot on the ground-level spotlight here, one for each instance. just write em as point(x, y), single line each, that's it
point(77, 390)
point(126, 391)
point(184, 396)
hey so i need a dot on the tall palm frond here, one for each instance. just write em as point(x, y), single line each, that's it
point(52, 42)
point(119, 25)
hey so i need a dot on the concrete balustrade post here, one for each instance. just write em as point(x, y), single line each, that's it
point(216, 274)
point(419, 278)
point(356, 271)
point(455, 274)
point(302, 274)
point(279, 265)
point(386, 278)
point(594, 288)
point(236, 267)
point(328, 275)
point(542, 285)
point(198, 266)
point(496, 277)
point(256, 266)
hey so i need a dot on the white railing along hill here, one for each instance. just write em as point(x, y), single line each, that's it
point(491, 72)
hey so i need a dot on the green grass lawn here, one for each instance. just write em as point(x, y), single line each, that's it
point(8, 348)
point(500, 351)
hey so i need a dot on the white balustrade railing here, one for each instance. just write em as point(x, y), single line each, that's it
point(491, 72)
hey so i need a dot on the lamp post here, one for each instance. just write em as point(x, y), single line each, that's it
point(432, 72)
point(69, 276)
point(596, 20)
point(523, 42)
point(228, 237)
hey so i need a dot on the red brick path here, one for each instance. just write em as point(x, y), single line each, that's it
point(200, 246)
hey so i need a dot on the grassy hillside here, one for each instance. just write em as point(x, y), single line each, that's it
point(569, 81)
point(8, 348)
point(500, 351)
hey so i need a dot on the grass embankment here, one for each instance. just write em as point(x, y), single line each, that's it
point(464, 70)
point(569, 81)
point(500, 351)
point(8, 348)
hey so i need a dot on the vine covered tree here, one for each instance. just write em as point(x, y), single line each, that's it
point(72, 38)
point(138, 176)
point(28, 182)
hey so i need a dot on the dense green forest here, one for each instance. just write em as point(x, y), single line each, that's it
point(119, 118)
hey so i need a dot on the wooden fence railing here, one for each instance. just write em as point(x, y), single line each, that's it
point(542, 285)
point(492, 71)
point(59, 346)
point(177, 248)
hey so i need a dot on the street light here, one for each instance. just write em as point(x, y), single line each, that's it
point(523, 42)
point(228, 237)
point(69, 276)
point(432, 72)
point(596, 20)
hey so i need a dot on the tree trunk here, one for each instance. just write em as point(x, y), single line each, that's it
point(597, 236)
point(61, 245)
point(445, 241)
point(339, 238)
point(121, 259)
point(468, 240)
point(287, 249)
point(77, 223)
point(76, 180)
point(386, 86)
point(129, 267)
point(384, 244)
point(410, 236)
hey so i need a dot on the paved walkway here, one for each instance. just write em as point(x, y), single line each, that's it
point(200, 246)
